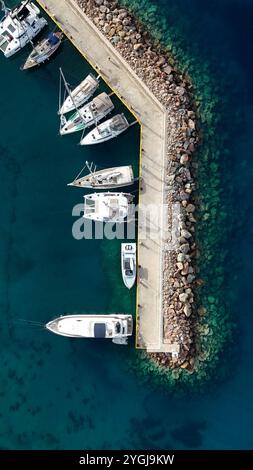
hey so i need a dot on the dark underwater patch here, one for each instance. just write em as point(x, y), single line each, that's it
point(190, 434)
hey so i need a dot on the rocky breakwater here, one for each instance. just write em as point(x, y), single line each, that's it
point(173, 89)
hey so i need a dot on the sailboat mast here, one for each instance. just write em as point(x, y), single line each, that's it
point(90, 167)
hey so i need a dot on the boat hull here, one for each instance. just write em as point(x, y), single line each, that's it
point(129, 283)
point(43, 57)
point(89, 181)
point(77, 124)
point(22, 43)
point(128, 251)
point(97, 136)
point(25, 32)
point(86, 116)
point(79, 96)
point(108, 207)
point(92, 326)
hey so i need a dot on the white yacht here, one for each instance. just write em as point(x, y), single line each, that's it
point(107, 130)
point(128, 263)
point(88, 115)
point(80, 94)
point(107, 207)
point(19, 26)
point(108, 178)
point(115, 327)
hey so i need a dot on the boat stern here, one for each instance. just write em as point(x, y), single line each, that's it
point(33, 8)
point(130, 324)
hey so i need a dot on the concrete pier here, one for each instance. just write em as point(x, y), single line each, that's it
point(152, 117)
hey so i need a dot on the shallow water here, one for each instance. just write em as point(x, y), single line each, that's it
point(67, 394)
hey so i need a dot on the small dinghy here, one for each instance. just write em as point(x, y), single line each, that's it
point(43, 50)
point(128, 263)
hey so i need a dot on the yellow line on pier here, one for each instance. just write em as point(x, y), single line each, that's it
point(94, 66)
point(130, 110)
point(151, 116)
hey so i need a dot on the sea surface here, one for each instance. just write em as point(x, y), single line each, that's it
point(59, 393)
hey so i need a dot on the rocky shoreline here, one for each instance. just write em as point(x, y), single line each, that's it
point(173, 90)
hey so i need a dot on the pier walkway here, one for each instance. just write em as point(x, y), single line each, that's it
point(152, 117)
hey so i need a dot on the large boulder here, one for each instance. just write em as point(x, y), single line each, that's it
point(183, 297)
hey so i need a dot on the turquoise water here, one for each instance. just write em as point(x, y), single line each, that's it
point(65, 394)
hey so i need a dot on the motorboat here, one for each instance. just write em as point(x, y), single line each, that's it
point(89, 114)
point(128, 263)
point(117, 327)
point(107, 207)
point(43, 50)
point(80, 94)
point(107, 178)
point(106, 130)
point(19, 26)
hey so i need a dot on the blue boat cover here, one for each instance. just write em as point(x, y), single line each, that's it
point(99, 330)
point(52, 39)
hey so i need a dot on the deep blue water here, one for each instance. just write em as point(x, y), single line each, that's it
point(58, 393)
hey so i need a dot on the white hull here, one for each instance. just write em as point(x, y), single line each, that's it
point(106, 131)
point(107, 207)
point(109, 178)
point(128, 264)
point(22, 30)
point(82, 93)
point(88, 115)
point(114, 327)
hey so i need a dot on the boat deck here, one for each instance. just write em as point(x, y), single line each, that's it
point(153, 118)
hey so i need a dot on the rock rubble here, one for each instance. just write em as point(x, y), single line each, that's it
point(155, 68)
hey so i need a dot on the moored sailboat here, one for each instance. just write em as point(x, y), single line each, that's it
point(43, 50)
point(88, 115)
point(106, 130)
point(107, 178)
point(80, 94)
